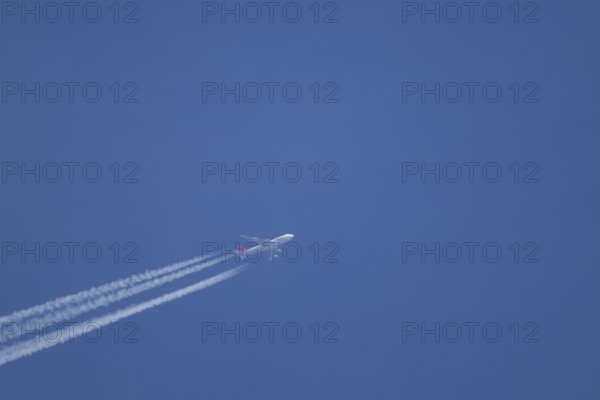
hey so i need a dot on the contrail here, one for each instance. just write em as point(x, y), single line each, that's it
point(75, 310)
point(32, 346)
point(66, 301)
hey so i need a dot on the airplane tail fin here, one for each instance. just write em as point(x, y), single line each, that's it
point(240, 250)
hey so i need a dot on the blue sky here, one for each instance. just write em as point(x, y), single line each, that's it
point(163, 129)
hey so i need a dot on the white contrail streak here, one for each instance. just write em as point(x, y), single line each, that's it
point(33, 346)
point(66, 301)
point(65, 314)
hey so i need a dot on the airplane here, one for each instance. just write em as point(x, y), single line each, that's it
point(257, 245)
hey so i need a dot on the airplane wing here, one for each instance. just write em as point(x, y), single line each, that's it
point(254, 239)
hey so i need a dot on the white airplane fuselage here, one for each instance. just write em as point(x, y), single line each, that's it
point(269, 246)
